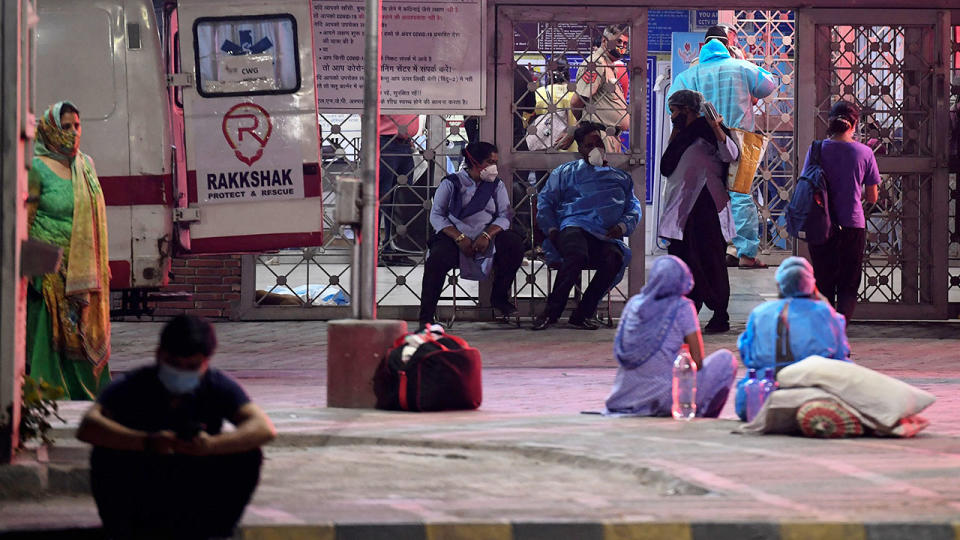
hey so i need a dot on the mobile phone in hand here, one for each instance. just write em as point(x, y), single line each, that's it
point(710, 111)
point(189, 431)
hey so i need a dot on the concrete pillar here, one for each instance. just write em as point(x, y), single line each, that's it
point(354, 350)
point(17, 24)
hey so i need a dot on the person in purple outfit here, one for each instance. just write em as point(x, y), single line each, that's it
point(852, 174)
point(654, 326)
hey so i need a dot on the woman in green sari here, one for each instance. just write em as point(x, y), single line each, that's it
point(68, 312)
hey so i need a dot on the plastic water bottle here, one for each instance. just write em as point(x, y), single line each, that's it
point(684, 385)
point(753, 393)
point(767, 385)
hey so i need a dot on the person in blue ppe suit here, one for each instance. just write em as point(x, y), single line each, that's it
point(585, 208)
point(809, 324)
point(732, 85)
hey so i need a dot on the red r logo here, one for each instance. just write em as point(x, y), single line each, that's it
point(247, 129)
point(589, 77)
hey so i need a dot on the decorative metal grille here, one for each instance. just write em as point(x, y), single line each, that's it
point(549, 58)
point(768, 39)
point(953, 271)
point(889, 76)
point(542, 50)
point(953, 201)
point(532, 282)
point(412, 163)
point(898, 247)
point(410, 171)
point(887, 71)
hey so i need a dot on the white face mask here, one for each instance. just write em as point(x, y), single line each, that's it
point(489, 174)
point(595, 157)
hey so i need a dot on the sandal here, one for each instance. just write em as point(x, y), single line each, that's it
point(756, 264)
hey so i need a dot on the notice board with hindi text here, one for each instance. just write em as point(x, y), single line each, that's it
point(433, 57)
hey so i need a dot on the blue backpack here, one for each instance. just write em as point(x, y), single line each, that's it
point(808, 212)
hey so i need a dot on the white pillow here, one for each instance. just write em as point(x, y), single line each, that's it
point(873, 394)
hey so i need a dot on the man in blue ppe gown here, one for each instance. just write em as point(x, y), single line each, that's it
point(585, 209)
point(732, 85)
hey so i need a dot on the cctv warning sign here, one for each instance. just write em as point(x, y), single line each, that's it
point(247, 156)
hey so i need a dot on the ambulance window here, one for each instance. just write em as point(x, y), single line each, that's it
point(246, 55)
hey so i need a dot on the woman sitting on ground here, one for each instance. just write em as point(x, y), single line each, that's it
point(654, 326)
point(811, 327)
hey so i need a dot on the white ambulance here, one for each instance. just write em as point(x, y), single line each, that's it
point(205, 141)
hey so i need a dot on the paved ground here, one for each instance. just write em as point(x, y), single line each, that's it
point(529, 457)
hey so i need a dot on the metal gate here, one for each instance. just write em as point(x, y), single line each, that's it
point(555, 43)
point(894, 64)
point(317, 279)
point(414, 165)
point(769, 39)
point(953, 199)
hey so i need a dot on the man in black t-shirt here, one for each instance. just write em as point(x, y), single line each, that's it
point(161, 466)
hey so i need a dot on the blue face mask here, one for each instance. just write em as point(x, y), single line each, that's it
point(178, 381)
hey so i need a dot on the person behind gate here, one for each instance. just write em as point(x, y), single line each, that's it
point(602, 83)
point(585, 208)
point(731, 85)
point(470, 215)
point(396, 159)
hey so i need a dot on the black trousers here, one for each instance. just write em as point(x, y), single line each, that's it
point(142, 495)
point(838, 267)
point(704, 250)
point(445, 256)
point(396, 158)
point(582, 251)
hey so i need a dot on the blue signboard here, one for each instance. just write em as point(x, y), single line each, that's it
point(651, 127)
point(704, 18)
point(661, 23)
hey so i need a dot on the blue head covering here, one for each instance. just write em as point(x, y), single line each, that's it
point(649, 315)
point(727, 83)
point(795, 277)
point(669, 277)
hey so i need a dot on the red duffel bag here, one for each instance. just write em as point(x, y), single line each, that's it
point(441, 373)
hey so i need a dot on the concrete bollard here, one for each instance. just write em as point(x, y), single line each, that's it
point(354, 350)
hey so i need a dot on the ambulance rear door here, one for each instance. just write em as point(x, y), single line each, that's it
point(250, 122)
